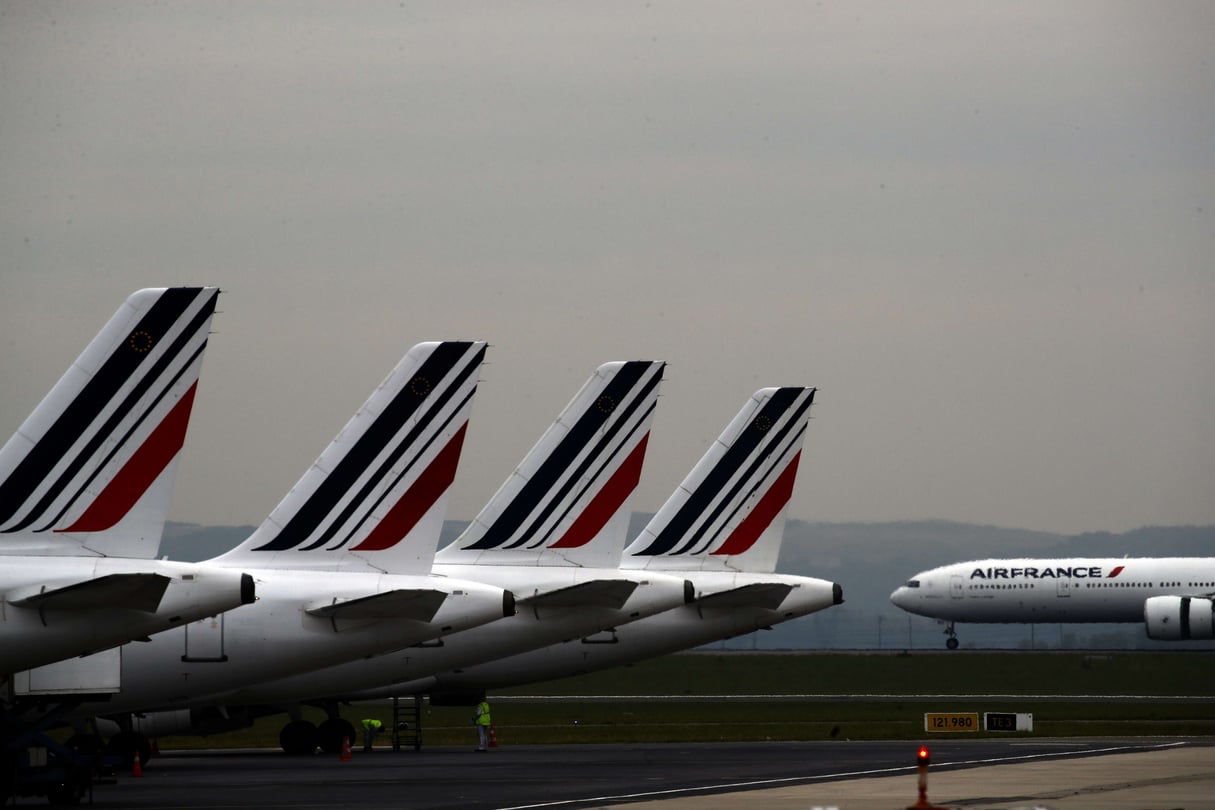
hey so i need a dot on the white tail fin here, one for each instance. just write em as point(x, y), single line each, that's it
point(377, 496)
point(91, 470)
point(729, 513)
point(567, 503)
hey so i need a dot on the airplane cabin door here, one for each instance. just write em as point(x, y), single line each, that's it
point(205, 640)
point(955, 586)
point(1063, 587)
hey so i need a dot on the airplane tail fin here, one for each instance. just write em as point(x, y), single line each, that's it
point(91, 471)
point(729, 513)
point(567, 503)
point(377, 496)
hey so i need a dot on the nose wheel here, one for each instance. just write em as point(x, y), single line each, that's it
point(951, 642)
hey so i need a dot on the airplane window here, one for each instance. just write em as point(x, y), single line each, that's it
point(914, 583)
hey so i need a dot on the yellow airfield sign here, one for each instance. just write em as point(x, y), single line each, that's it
point(951, 721)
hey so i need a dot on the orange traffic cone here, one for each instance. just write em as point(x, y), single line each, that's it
point(136, 766)
point(345, 757)
point(493, 738)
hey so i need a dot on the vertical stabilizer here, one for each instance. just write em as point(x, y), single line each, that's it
point(729, 513)
point(91, 470)
point(377, 496)
point(567, 503)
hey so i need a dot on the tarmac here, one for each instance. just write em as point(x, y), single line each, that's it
point(1180, 778)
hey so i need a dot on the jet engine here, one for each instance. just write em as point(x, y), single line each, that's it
point(1179, 618)
point(200, 721)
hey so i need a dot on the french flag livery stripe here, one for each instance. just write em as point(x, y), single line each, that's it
point(769, 506)
point(126, 367)
point(755, 479)
point(606, 452)
point(126, 488)
point(749, 463)
point(427, 480)
point(607, 501)
point(418, 499)
point(119, 446)
point(437, 381)
point(599, 435)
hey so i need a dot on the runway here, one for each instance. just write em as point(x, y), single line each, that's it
point(1001, 773)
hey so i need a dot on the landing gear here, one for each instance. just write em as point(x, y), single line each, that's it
point(332, 731)
point(299, 738)
point(952, 641)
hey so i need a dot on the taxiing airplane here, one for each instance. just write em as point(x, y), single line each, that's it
point(1173, 597)
point(343, 563)
point(721, 529)
point(85, 488)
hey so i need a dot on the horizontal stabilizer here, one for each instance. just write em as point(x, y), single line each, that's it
point(762, 595)
point(131, 591)
point(599, 593)
point(419, 604)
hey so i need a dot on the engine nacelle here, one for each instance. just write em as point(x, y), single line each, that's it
point(1179, 618)
point(194, 722)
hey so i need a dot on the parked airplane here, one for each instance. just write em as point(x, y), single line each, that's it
point(343, 563)
point(721, 529)
point(552, 533)
point(1171, 596)
point(85, 486)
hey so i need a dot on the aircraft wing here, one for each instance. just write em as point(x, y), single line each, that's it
point(765, 595)
point(419, 604)
point(136, 591)
point(604, 593)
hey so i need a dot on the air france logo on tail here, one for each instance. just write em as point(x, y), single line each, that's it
point(385, 471)
point(585, 478)
point(736, 496)
point(107, 431)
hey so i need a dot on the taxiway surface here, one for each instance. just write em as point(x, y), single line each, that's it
point(998, 773)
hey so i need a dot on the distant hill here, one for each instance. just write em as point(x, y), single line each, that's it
point(872, 559)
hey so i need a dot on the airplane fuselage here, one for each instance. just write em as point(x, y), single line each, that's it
point(35, 631)
point(282, 633)
point(680, 628)
point(1053, 590)
point(537, 623)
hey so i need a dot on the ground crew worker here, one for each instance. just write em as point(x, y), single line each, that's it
point(481, 721)
point(371, 727)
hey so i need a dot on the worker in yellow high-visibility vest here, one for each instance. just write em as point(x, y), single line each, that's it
point(481, 720)
point(371, 727)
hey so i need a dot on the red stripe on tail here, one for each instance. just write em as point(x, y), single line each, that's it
point(144, 467)
point(769, 506)
point(609, 499)
point(418, 499)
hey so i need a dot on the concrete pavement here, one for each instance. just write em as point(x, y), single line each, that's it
point(1169, 779)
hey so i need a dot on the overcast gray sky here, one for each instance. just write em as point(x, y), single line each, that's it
point(986, 231)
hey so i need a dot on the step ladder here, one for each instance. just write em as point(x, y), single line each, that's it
point(407, 722)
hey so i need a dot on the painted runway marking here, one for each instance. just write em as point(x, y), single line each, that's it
point(827, 698)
